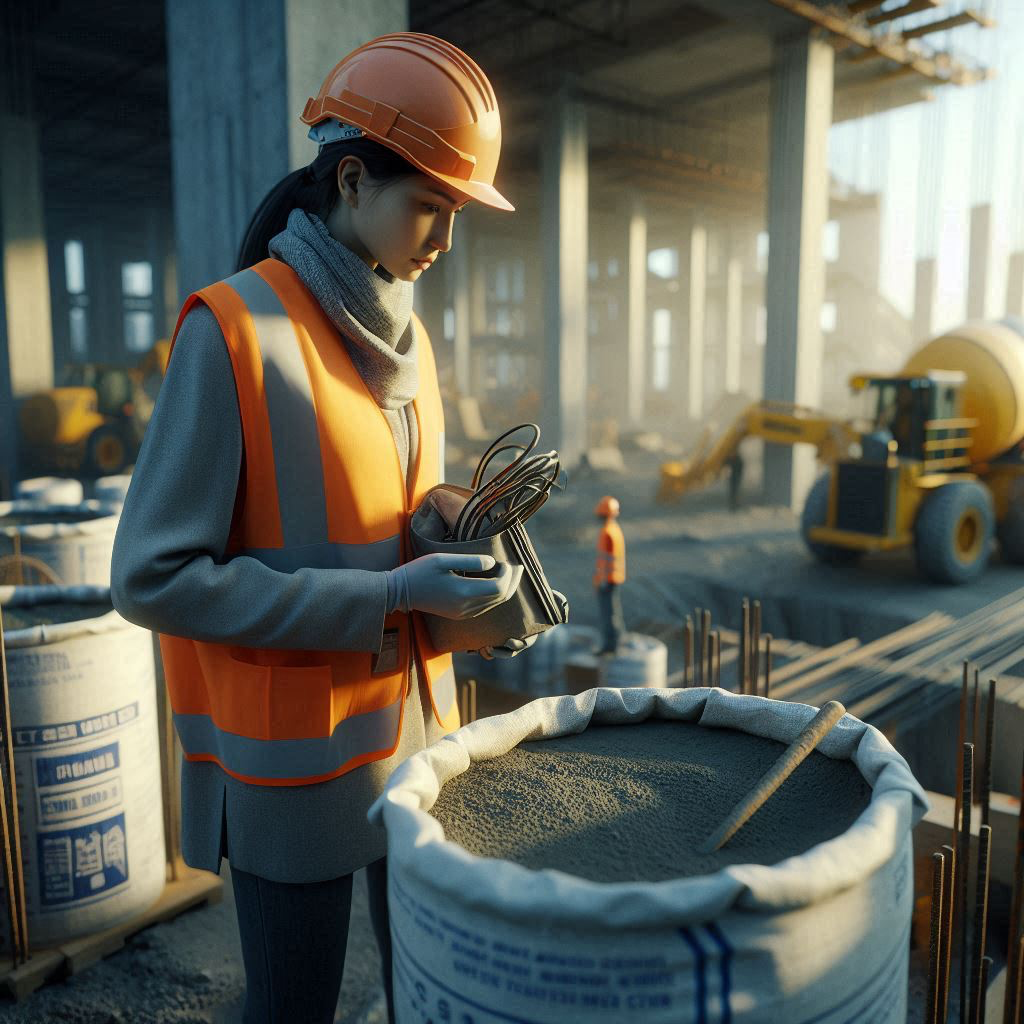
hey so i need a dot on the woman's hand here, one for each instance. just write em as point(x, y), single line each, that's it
point(429, 584)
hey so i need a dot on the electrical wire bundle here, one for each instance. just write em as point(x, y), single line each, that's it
point(504, 503)
point(512, 494)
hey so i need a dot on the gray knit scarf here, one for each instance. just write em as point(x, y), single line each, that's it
point(371, 312)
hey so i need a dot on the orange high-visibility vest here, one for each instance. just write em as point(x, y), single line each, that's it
point(321, 487)
point(611, 555)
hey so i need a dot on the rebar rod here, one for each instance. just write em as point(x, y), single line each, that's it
point(945, 960)
point(767, 664)
point(755, 648)
point(986, 778)
point(1013, 964)
point(705, 649)
point(13, 864)
point(744, 660)
point(986, 967)
point(980, 918)
point(688, 652)
point(961, 735)
point(964, 859)
point(716, 657)
point(931, 1015)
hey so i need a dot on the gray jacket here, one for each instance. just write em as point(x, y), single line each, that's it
point(170, 574)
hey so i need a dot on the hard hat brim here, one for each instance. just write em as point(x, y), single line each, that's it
point(478, 190)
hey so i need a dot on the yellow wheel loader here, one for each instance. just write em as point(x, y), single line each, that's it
point(937, 465)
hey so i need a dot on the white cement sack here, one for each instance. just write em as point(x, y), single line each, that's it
point(820, 937)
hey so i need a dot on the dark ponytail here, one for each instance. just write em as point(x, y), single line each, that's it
point(314, 189)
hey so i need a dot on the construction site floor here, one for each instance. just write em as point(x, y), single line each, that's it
point(678, 557)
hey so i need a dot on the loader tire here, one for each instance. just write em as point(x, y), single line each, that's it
point(1010, 532)
point(815, 513)
point(106, 452)
point(954, 531)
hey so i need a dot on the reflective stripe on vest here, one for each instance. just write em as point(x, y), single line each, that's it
point(318, 490)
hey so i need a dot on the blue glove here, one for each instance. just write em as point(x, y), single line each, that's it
point(429, 584)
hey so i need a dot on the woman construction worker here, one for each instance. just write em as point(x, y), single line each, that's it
point(610, 573)
point(264, 534)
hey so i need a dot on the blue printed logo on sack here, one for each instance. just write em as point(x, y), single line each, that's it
point(82, 864)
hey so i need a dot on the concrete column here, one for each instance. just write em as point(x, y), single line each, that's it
point(564, 178)
point(693, 280)
point(26, 330)
point(635, 376)
point(801, 114)
point(459, 266)
point(1015, 285)
point(979, 266)
point(240, 72)
point(924, 298)
point(733, 333)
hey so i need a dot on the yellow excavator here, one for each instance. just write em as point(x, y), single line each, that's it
point(937, 464)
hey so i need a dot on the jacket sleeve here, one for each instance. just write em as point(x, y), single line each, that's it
point(170, 572)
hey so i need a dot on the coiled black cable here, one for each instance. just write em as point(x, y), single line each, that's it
point(512, 494)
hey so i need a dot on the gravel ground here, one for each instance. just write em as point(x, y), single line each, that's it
point(189, 971)
point(679, 556)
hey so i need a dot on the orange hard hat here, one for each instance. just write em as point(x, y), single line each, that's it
point(425, 99)
point(607, 506)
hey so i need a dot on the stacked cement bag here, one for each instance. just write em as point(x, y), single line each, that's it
point(50, 490)
point(578, 894)
point(83, 712)
point(74, 542)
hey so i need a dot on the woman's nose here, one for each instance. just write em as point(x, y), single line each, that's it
point(441, 237)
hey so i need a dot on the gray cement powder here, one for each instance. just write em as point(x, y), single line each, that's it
point(632, 803)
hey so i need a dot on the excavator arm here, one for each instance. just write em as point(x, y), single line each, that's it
point(776, 422)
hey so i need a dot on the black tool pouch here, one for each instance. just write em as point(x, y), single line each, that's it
point(533, 608)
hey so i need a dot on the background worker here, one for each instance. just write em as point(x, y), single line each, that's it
point(610, 574)
point(263, 535)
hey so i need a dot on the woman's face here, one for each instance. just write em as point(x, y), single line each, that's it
point(402, 224)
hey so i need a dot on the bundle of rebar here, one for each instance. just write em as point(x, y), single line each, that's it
point(703, 654)
point(953, 921)
point(893, 678)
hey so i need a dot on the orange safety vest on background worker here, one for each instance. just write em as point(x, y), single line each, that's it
point(611, 554)
point(318, 489)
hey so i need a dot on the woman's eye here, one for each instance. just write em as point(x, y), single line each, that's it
point(432, 207)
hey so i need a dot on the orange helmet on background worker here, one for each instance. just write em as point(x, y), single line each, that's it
point(607, 506)
point(423, 98)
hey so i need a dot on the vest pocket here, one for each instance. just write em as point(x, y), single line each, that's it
point(272, 702)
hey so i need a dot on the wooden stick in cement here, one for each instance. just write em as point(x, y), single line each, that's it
point(789, 760)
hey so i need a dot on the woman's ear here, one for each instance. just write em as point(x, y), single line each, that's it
point(350, 175)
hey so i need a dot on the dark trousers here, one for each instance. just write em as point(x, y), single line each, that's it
point(612, 624)
point(293, 943)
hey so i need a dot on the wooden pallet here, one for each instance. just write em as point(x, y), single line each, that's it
point(190, 889)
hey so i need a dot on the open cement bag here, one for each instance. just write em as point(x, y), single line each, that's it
point(819, 936)
point(532, 609)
